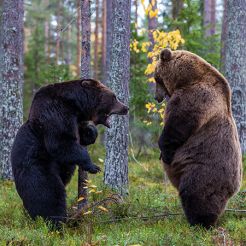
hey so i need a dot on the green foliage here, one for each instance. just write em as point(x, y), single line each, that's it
point(189, 22)
point(135, 221)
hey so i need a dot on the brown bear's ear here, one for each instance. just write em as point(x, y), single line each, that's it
point(166, 55)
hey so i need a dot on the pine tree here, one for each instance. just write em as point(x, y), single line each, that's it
point(116, 163)
point(11, 79)
point(234, 61)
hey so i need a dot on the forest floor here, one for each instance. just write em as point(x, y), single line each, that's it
point(151, 215)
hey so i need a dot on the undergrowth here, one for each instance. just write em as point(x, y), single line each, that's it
point(150, 215)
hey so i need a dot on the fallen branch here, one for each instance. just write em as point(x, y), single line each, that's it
point(235, 210)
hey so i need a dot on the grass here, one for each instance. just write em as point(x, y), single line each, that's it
point(150, 195)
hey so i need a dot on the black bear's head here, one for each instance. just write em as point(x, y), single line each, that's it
point(104, 100)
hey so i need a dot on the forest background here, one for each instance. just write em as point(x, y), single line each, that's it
point(53, 48)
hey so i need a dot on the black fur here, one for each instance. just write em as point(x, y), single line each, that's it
point(49, 145)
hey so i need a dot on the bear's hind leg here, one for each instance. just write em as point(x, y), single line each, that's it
point(198, 210)
point(43, 194)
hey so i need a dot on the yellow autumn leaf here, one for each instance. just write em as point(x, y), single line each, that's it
point(103, 208)
point(93, 186)
point(151, 80)
point(92, 191)
point(88, 212)
point(98, 192)
point(81, 199)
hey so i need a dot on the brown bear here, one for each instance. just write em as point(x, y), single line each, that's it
point(51, 143)
point(199, 144)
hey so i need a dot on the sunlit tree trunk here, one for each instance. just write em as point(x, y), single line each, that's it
point(209, 17)
point(116, 162)
point(96, 41)
point(85, 73)
point(11, 79)
point(177, 6)
point(234, 58)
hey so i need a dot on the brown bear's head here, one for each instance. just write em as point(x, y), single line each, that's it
point(177, 69)
point(106, 103)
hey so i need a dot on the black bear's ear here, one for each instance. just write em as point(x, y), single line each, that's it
point(166, 55)
point(88, 82)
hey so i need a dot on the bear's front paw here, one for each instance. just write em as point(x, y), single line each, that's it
point(92, 169)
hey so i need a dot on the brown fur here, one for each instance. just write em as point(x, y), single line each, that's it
point(199, 143)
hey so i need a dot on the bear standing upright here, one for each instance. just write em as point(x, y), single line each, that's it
point(199, 144)
point(49, 145)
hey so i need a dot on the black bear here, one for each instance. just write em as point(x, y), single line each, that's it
point(199, 144)
point(49, 145)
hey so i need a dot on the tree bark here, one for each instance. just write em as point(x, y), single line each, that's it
point(136, 13)
point(104, 24)
point(11, 79)
point(152, 23)
point(177, 6)
point(47, 32)
point(85, 73)
point(78, 63)
point(96, 41)
point(152, 26)
point(116, 162)
point(108, 38)
point(235, 61)
point(58, 37)
point(86, 39)
point(209, 17)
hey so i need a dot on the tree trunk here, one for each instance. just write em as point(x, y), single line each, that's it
point(11, 79)
point(152, 26)
point(78, 63)
point(68, 58)
point(46, 31)
point(152, 23)
point(58, 31)
point(104, 40)
point(136, 13)
point(96, 41)
point(223, 37)
point(108, 38)
point(209, 18)
point(86, 39)
point(85, 73)
point(235, 61)
point(177, 6)
point(116, 163)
